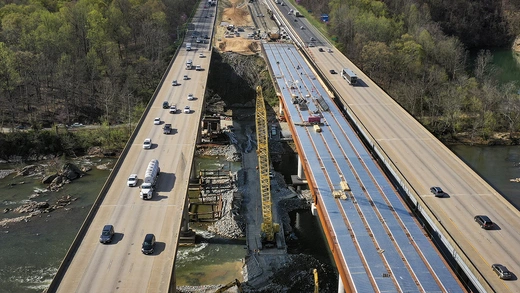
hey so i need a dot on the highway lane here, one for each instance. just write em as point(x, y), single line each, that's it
point(121, 266)
point(424, 162)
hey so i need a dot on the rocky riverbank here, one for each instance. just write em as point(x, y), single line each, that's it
point(54, 176)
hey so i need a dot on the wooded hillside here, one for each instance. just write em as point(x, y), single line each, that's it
point(83, 61)
point(417, 51)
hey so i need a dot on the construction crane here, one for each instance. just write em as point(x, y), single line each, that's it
point(268, 228)
point(229, 285)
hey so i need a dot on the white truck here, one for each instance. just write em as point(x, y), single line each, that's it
point(188, 46)
point(189, 64)
point(150, 178)
point(349, 76)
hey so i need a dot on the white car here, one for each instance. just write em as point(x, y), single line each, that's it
point(173, 109)
point(132, 180)
point(175, 83)
point(185, 77)
point(147, 144)
point(198, 68)
point(201, 55)
point(157, 121)
point(190, 97)
point(187, 110)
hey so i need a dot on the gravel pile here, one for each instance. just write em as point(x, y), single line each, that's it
point(198, 289)
point(230, 152)
point(231, 225)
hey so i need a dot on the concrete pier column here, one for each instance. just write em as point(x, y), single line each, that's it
point(187, 235)
point(301, 174)
point(280, 107)
point(341, 288)
point(193, 174)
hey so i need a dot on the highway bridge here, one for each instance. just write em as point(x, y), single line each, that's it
point(92, 267)
point(392, 252)
point(418, 161)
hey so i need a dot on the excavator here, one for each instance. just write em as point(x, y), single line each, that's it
point(229, 285)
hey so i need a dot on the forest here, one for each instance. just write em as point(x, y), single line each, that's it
point(418, 52)
point(99, 62)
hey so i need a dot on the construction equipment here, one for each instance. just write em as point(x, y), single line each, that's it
point(269, 228)
point(316, 285)
point(229, 285)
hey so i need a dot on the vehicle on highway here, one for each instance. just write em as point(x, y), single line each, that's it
point(150, 179)
point(502, 272)
point(201, 55)
point(349, 76)
point(165, 105)
point(185, 77)
point(73, 125)
point(437, 191)
point(167, 129)
point(332, 71)
point(157, 120)
point(302, 27)
point(329, 50)
point(107, 234)
point(173, 109)
point(175, 83)
point(148, 244)
point(312, 39)
point(321, 50)
point(187, 110)
point(198, 68)
point(147, 144)
point(484, 222)
point(190, 97)
point(132, 180)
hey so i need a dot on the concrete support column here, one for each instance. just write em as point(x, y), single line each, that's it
point(341, 288)
point(193, 174)
point(185, 216)
point(280, 107)
point(301, 174)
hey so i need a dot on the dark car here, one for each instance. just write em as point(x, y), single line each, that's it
point(484, 222)
point(167, 129)
point(437, 191)
point(165, 105)
point(107, 234)
point(320, 49)
point(502, 272)
point(148, 244)
point(332, 71)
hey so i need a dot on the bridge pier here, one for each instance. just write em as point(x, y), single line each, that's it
point(341, 288)
point(301, 173)
point(187, 236)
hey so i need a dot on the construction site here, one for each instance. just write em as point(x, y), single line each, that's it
point(253, 203)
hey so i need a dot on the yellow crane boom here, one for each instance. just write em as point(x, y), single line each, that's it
point(268, 227)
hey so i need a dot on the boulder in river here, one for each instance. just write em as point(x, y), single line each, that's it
point(49, 178)
point(71, 171)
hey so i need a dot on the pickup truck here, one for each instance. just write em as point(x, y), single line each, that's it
point(167, 129)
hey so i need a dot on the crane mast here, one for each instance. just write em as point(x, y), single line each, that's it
point(268, 228)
